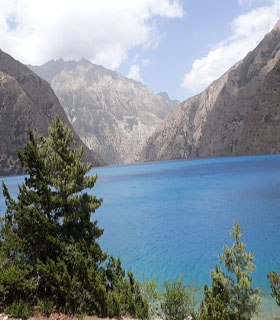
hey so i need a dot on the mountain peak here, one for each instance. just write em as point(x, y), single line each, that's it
point(164, 94)
point(84, 61)
point(112, 114)
point(26, 101)
point(277, 26)
point(238, 114)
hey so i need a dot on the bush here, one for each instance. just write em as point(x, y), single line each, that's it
point(19, 309)
point(177, 300)
point(46, 306)
point(149, 291)
point(113, 304)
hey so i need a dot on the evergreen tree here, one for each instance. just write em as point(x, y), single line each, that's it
point(215, 305)
point(48, 231)
point(242, 301)
point(49, 254)
point(274, 279)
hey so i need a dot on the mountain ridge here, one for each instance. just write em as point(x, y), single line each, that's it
point(112, 114)
point(236, 115)
point(26, 101)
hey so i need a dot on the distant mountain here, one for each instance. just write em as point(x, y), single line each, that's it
point(238, 114)
point(112, 114)
point(26, 101)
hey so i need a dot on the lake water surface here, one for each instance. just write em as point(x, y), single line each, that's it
point(170, 218)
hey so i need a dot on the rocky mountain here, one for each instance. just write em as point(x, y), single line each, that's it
point(26, 101)
point(238, 114)
point(112, 114)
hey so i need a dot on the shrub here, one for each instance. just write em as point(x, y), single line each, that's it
point(177, 300)
point(19, 309)
point(149, 291)
point(46, 306)
point(113, 304)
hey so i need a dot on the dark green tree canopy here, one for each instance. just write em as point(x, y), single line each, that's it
point(49, 254)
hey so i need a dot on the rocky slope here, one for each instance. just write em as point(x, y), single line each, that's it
point(238, 114)
point(26, 101)
point(112, 114)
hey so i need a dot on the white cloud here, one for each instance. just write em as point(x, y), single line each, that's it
point(134, 73)
point(102, 31)
point(245, 2)
point(247, 31)
point(251, 2)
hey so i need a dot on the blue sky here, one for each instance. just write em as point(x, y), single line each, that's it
point(204, 24)
point(170, 45)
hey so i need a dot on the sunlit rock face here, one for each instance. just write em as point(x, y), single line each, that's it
point(112, 114)
point(238, 114)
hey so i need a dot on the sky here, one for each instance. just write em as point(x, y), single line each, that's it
point(176, 46)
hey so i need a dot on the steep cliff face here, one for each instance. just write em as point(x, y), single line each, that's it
point(112, 114)
point(238, 114)
point(26, 101)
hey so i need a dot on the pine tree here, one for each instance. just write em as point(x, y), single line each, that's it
point(244, 302)
point(49, 254)
point(215, 305)
point(274, 279)
point(50, 223)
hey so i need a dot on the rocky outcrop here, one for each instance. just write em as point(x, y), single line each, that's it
point(238, 114)
point(112, 114)
point(26, 101)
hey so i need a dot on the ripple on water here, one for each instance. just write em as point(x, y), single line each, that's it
point(170, 218)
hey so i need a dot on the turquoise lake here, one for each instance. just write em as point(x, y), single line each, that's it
point(170, 218)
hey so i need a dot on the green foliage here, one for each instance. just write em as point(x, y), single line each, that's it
point(274, 279)
point(149, 291)
point(137, 304)
point(15, 279)
point(177, 300)
point(46, 306)
point(215, 305)
point(49, 254)
point(124, 293)
point(113, 304)
point(233, 289)
point(19, 309)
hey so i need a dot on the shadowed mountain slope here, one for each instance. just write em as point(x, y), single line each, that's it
point(26, 101)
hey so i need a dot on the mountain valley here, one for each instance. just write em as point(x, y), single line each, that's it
point(112, 114)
